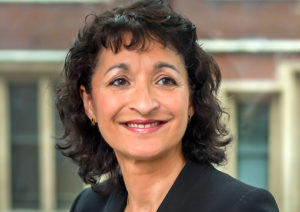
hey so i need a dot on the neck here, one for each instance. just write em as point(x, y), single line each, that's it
point(148, 182)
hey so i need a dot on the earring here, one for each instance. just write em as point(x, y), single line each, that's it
point(189, 118)
point(93, 122)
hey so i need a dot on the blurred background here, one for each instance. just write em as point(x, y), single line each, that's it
point(255, 42)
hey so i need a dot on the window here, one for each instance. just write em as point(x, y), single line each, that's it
point(53, 1)
point(24, 145)
point(68, 183)
point(35, 176)
point(252, 0)
point(253, 124)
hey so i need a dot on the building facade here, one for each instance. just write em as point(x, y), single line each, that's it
point(255, 42)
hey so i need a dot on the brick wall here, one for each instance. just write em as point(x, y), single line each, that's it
point(54, 26)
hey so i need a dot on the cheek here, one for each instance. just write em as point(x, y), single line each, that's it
point(106, 106)
point(106, 109)
point(178, 103)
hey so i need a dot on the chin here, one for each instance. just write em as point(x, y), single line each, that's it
point(144, 154)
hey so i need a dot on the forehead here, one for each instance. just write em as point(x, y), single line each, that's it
point(137, 41)
point(153, 52)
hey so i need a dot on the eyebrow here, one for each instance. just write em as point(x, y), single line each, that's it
point(160, 65)
point(157, 66)
point(123, 66)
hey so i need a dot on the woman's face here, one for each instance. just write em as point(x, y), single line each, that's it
point(140, 101)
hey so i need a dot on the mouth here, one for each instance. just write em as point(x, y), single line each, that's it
point(139, 125)
point(143, 126)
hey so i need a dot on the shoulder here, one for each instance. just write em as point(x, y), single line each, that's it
point(208, 189)
point(238, 196)
point(91, 201)
point(235, 195)
point(256, 199)
point(88, 200)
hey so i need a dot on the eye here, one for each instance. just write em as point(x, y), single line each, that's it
point(119, 82)
point(168, 81)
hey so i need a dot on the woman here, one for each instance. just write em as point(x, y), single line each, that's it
point(138, 106)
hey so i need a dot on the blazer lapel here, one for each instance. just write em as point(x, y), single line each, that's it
point(177, 198)
point(116, 202)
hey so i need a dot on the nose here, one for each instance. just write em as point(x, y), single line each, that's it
point(143, 100)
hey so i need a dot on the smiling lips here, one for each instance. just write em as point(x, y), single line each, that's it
point(144, 126)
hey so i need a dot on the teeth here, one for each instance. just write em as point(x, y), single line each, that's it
point(132, 125)
point(154, 124)
point(142, 125)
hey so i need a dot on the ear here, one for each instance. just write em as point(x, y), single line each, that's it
point(191, 106)
point(191, 109)
point(87, 103)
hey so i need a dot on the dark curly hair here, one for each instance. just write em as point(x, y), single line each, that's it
point(145, 20)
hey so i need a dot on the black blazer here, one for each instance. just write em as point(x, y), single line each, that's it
point(198, 188)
